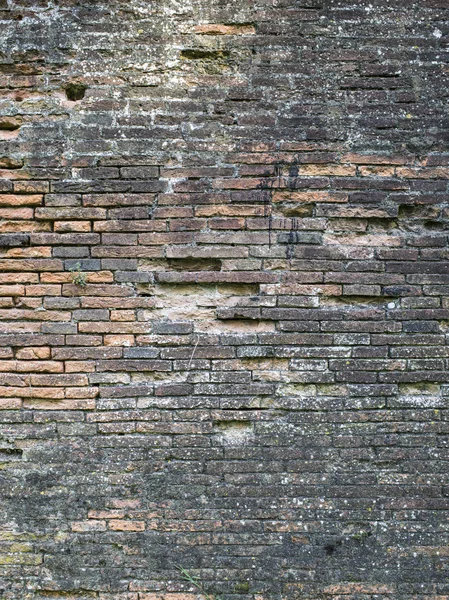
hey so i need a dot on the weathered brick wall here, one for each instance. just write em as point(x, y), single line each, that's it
point(224, 299)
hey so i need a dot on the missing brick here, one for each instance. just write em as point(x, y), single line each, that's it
point(194, 264)
point(75, 91)
point(196, 54)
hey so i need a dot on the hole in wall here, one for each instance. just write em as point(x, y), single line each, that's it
point(197, 54)
point(194, 264)
point(10, 123)
point(75, 91)
point(435, 225)
point(331, 548)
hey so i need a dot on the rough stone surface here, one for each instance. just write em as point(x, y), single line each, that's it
point(224, 299)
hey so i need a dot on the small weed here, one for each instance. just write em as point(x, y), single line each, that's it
point(78, 277)
point(241, 588)
point(198, 584)
point(361, 536)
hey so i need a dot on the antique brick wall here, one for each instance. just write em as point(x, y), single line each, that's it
point(224, 299)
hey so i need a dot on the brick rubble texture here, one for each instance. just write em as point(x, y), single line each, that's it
point(224, 299)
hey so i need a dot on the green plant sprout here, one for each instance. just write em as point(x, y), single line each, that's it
point(78, 277)
point(198, 584)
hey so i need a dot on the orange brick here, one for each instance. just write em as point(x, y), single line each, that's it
point(42, 352)
point(19, 278)
point(234, 210)
point(125, 503)
point(56, 277)
point(169, 596)
point(16, 213)
point(359, 588)
point(426, 173)
point(20, 326)
point(43, 290)
point(33, 315)
point(299, 289)
point(78, 366)
point(81, 392)
point(309, 197)
point(122, 525)
point(28, 392)
point(31, 187)
point(16, 200)
point(59, 404)
point(10, 403)
point(12, 290)
point(377, 171)
point(86, 526)
point(18, 226)
point(67, 277)
point(31, 264)
point(100, 277)
point(105, 514)
point(72, 226)
point(219, 29)
point(123, 315)
point(119, 340)
point(376, 159)
point(30, 366)
point(362, 240)
point(33, 252)
point(330, 170)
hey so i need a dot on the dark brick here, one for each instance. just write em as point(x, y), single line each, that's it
point(14, 239)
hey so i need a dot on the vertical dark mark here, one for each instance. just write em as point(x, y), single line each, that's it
point(270, 184)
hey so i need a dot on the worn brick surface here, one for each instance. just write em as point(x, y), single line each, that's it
point(224, 299)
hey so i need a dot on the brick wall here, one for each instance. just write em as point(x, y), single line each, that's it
point(224, 299)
